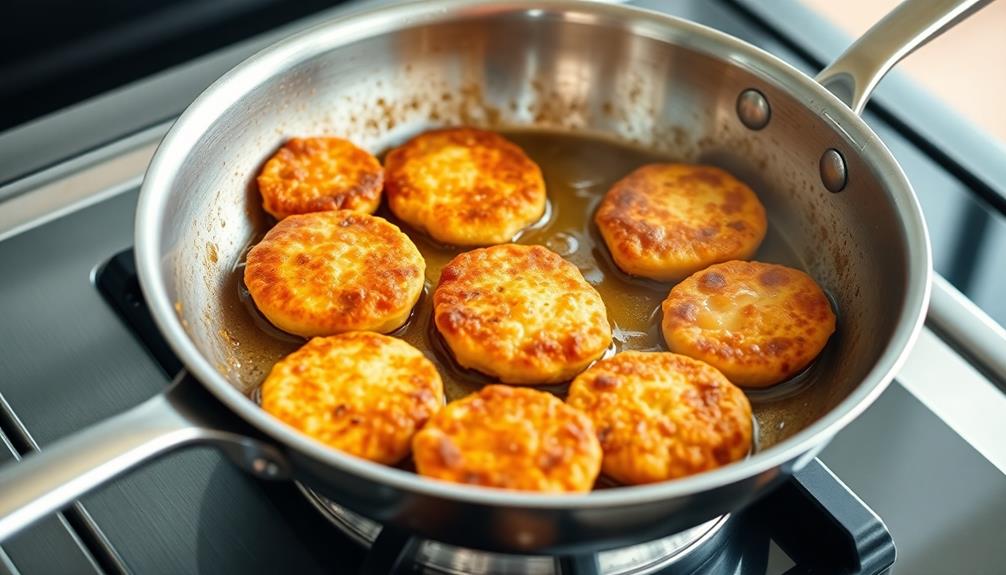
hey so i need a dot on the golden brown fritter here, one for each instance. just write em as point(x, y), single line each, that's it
point(320, 174)
point(360, 392)
point(666, 221)
point(520, 313)
point(510, 438)
point(661, 415)
point(757, 323)
point(464, 186)
point(329, 272)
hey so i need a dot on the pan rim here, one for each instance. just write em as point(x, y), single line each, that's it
point(798, 449)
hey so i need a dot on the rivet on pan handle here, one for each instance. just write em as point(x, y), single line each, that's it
point(184, 414)
point(855, 74)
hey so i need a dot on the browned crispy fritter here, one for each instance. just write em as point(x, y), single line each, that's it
point(510, 438)
point(520, 313)
point(360, 392)
point(758, 323)
point(320, 174)
point(329, 272)
point(662, 416)
point(464, 186)
point(666, 221)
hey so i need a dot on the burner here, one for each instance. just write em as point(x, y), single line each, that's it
point(681, 552)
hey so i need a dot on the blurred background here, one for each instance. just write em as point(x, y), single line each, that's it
point(92, 46)
point(96, 45)
point(965, 67)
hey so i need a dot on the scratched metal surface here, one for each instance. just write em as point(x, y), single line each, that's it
point(47, 547)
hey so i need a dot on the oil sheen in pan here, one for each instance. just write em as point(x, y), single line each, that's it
point(578, 171)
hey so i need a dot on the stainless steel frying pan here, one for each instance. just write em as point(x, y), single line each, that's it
point(831, 188)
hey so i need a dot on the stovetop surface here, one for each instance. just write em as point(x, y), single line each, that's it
point(813, 522)
point(68, 361)
point(194, 512)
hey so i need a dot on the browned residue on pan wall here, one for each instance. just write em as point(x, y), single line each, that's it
point(577, 171)
point(383, 104)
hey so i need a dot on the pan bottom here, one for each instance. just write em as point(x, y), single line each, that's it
point(680, 552)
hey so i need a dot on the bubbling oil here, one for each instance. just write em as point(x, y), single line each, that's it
point(578, 170)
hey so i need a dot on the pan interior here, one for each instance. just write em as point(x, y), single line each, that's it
point(613, 93)
point(578, 170)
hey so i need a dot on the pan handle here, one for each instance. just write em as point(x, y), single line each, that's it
point(184, 414)
point(854, 75)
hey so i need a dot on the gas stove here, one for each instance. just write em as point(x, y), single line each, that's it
point(924, 468)
point(771, 537)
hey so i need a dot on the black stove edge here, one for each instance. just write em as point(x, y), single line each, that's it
point(814, 501)
point(966, 151)
point(118, 283)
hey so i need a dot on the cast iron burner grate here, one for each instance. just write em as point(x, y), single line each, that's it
point(811, 524)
